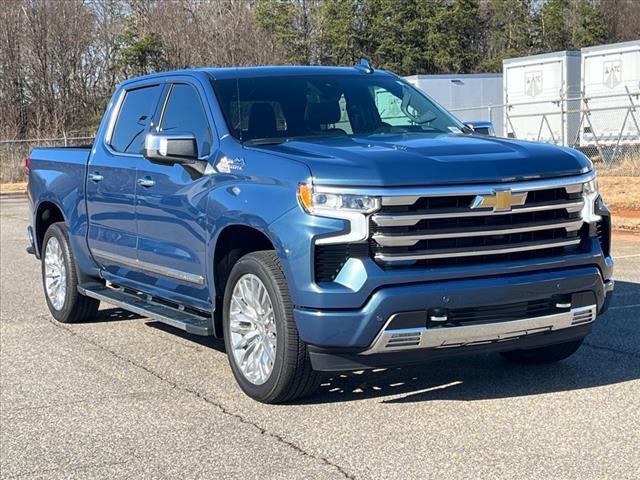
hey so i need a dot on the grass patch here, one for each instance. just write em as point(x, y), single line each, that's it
point(13, 187)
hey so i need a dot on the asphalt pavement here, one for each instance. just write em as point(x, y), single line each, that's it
point(126, 397)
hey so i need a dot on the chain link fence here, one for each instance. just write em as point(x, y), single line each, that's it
point(14, 152)
point(605, 128)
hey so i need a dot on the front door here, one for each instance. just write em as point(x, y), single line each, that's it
point(111, 181)
point(171, 205)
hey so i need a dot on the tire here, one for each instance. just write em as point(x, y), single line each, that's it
point(71, 306)
point(548, 354)
point(291, 376)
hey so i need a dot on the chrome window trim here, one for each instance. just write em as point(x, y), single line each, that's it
point(203, 105)
point(115, 112)
point(149, 267)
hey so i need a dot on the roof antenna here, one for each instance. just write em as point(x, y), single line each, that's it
point(364, 65)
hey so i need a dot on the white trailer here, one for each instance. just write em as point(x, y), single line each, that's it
point(538, 93)
point(468, 96)
point(611, 91)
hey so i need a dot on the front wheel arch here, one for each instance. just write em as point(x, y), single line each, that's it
point(233, 242)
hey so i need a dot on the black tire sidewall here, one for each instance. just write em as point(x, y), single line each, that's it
point(253, 265)
point(58, 232)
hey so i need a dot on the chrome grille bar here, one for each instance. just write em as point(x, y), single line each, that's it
point(407, 220)
point(471, 252)
point(400, 240)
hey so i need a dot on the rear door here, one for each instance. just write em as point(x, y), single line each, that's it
point(111, 181)
point(171, 204)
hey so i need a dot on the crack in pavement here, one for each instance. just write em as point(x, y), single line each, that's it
point(199, 395)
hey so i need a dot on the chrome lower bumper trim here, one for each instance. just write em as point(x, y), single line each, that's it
point(609, 285)
point(448, 337)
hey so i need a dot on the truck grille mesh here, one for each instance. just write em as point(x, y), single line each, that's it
point(444, 230)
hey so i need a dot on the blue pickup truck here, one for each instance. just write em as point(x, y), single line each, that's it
point(320, 219)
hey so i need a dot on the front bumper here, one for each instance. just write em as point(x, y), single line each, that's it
point(324, 360)
point(345, 339)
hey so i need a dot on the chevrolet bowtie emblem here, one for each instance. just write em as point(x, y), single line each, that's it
point(500, 200)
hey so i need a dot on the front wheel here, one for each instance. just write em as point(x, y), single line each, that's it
point(548, 354)
point(267, 357)
point(60, 280)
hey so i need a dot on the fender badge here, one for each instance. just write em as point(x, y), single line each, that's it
point(226, 164)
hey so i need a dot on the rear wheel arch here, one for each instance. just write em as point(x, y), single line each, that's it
point(47, 214)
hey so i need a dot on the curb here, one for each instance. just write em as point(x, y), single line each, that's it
point(8, 195)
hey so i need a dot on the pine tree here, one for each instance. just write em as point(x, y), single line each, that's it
point(340, 32)
point(453, 35)
point(590, 26)
point(509, 29)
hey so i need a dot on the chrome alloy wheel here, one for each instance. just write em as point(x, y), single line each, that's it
point(55, 273)
point(252, 328)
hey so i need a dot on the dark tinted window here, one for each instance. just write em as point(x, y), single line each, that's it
point(184, 113)
point(276, 109)
point(133, 118)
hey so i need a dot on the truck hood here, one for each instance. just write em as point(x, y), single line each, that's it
point(428, 159)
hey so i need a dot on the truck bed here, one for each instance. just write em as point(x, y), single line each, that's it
point(58, 173)
point(75, 154)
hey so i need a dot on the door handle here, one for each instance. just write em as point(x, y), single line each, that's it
point(95, 177)
point(146, 182)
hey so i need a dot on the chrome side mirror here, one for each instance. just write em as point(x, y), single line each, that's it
point(171, 147)
point(482, 127)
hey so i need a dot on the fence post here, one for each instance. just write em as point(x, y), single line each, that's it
point(563, 122)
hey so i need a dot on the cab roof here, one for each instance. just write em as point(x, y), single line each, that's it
point(221, 73)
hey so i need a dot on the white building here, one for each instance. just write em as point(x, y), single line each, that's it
point(541, 97)
point(611, 89)
point(467, 96)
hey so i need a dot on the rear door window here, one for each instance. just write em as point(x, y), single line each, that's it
point(184, 113)
point(133, 119)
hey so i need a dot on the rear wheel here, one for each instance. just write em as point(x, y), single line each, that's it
point(59, 278)
point(267, 357)
point(548, 354)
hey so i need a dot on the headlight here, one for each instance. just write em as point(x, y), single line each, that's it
point(318, 202)
point(589, 195)
point(591, 187)
point(333, 203)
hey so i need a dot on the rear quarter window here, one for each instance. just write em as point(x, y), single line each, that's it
point(133, 118)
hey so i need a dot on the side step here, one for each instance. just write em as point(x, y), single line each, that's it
point(141, 304)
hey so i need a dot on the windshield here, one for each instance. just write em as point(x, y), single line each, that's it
point(262, 110)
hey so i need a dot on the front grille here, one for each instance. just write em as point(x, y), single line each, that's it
point(442, 229)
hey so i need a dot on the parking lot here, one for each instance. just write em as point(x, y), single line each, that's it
point(124, 396)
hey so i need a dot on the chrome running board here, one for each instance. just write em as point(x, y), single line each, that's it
point(179, 317)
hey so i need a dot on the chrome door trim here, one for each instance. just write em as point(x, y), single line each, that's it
point(149, 267)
